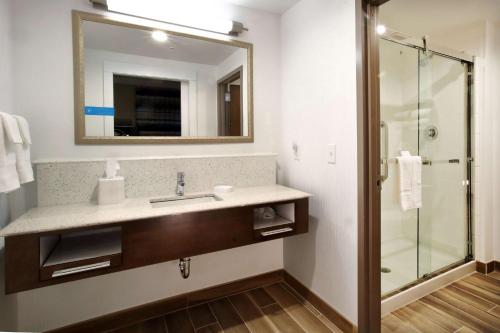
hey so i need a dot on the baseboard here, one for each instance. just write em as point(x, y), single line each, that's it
point(330, 313)
point(487, 268)
point(154, 309)
point(146, 311)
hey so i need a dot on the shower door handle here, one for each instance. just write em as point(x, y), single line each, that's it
point(384, 157)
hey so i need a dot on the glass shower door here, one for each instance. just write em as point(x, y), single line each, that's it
point(423, 111)
point(442, 222)
point(399, 131)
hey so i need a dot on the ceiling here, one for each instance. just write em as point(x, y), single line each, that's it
point(427, 16)
point(119, 39)
point(273, 6)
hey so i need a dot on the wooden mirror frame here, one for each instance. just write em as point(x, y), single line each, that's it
point(78, 18)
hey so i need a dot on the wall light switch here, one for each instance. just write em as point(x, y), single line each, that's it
point(332, 152)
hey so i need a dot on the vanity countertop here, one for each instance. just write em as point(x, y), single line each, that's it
point(50, 218)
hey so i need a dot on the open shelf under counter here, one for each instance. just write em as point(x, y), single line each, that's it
point(277, 221)
point(72, 253)
point(274, 220)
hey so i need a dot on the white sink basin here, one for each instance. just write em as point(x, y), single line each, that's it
point(184, 200)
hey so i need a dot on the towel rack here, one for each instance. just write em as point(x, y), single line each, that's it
point(426, 161)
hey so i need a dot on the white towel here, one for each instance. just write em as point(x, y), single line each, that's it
point(410, 181)
point(23, 158)
point(9, 134)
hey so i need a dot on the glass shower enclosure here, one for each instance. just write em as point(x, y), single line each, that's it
point(425, 110)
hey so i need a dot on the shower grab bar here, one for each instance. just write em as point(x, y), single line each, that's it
point(426, 161)
point(385, 166)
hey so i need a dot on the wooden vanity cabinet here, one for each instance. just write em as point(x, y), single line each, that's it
point(179, 236)
point(41, 259)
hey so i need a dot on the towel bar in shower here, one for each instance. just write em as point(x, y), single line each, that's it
point(426, 161)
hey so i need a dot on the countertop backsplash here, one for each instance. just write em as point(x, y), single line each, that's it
point(68, 182)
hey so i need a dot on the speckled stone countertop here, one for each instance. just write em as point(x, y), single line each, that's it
point(43, 219)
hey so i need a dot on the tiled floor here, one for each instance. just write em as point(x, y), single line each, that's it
point(274, 308)
point(469, 305)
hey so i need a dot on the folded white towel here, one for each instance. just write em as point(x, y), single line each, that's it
point(410, 181)
point(23, 156)
point(9, 180)
point(11, 128)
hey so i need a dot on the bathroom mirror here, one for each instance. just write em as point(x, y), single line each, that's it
point(140, 84)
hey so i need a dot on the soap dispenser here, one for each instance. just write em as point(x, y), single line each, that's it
point(111, 188)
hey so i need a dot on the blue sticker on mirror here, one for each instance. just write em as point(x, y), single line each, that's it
point(99, 111)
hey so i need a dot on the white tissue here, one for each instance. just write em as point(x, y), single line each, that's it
point(112, 168)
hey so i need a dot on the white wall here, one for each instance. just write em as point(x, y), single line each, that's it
point(43, 93)
point(491, 144)
point(318, 73)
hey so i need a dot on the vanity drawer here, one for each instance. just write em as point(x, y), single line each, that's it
point(173, 237)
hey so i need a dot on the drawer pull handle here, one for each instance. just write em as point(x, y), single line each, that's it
point(80, 269)
point(276, 231)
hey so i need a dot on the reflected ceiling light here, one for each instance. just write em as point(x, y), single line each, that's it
point(159, 36)
point(381, 29)
point(199, 14)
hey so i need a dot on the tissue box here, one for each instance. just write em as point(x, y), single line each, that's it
point(110, 190)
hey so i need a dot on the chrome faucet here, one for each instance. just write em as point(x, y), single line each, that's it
point(180, 184)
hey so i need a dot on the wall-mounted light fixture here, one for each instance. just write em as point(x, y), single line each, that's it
point(174, 12)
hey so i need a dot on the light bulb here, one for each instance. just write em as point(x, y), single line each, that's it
point(381, 29)
point(159, 36)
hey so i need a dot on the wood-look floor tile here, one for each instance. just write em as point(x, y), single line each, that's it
point(156, 325)
point(301, 299)
point(291, 305)
point(464, 296)
point(201, 316)
point(281, 319)
point(261, 297)
point(179, 322)
point(254, 318)
point(213, 328)
point(392, 324)
point(495, 311)
point(482, 315)
point(442, 319)
point(465, 329)
point(227, 316)
point(484, 282)
point(495, 275)
point(479, 292)
point(329, 324)
point(465, 318)
point(418, 321)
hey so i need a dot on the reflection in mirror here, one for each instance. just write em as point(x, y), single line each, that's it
point(144, 83)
